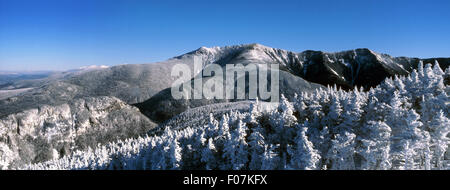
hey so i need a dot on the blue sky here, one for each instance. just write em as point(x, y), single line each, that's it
point(66, 34)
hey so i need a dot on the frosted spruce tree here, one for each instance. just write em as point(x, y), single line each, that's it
point(303, 156)
point(270, 158)
point(208, 155)
point(282, 122)
point(256, 148)
point(236, 150)
point(375, 146)
point(440, 129)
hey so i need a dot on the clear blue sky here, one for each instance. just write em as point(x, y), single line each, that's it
point(66, 34)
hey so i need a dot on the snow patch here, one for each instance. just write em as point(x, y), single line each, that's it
point(94, 67)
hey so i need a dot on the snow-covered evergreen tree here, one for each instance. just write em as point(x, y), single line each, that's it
point(334, 115)
point(270, 158)
point(175, 155)
point(256, 148)
point(208, 155)
point(439, 132)
point(304, 156)
point(283, 122)
point(375, 146)
point(342, 152)
point(255, 113)
point(213, 127)
point(236, 150)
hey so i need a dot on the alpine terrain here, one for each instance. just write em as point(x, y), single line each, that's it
point(355, 109)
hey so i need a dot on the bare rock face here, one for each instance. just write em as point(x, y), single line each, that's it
point(49, 132)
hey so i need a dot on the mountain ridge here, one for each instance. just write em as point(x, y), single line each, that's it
point(338, 68)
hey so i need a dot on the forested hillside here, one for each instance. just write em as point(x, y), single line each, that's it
point(401, 124)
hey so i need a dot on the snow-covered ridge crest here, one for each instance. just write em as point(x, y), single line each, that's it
point(358, 67)
point(94, 67)
point(263, 53)
point(254, 52)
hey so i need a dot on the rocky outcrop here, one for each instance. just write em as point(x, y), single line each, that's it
point(48, 132)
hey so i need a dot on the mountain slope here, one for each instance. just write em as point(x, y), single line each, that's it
point(163, 106)
point(390, 127)
point(130, 83)
point(48, 132)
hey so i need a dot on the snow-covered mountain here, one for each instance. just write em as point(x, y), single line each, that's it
point(300, 72)
point(138, 83)
point(136, 97)
point(402, 124)
point(359, 67)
